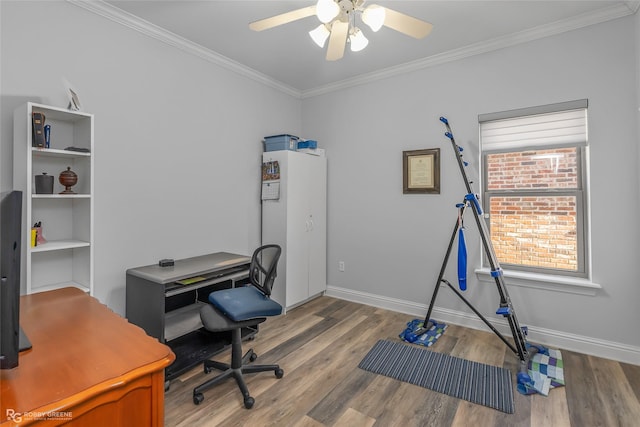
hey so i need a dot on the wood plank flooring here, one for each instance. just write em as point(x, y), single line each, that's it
point(319, 346)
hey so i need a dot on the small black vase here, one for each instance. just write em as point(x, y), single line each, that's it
point(44, 184)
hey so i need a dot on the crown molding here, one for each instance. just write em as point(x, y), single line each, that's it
point(133, 22)
point(633, 5)
point(119, 16)
point(554, 28)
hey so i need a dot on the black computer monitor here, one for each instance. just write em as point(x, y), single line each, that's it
point(10, 252)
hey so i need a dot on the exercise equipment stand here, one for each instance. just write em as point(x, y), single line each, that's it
point(520, 346)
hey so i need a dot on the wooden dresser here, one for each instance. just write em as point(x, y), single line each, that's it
point(88, 367)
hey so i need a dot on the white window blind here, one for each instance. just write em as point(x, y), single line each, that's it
point(548, 129)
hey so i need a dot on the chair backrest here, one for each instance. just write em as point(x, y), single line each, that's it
point(263, 269)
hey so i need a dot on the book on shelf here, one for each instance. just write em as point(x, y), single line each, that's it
point(38, 129)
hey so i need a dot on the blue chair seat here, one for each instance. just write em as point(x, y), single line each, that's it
point(244, 303)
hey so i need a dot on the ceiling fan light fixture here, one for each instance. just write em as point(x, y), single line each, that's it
point(374, 17)
point(320, 34)
point(338, 19)
point(357, 40)
point(327, 10)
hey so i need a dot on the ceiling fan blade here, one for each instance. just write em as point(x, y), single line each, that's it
point(337, 40)
point(284, 18)
point(406, 24)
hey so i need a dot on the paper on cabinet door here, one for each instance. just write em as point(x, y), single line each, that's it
point(271, 190)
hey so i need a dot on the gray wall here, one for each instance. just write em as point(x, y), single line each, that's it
point(637, 51)
point(393, 244)
point(177, 139)
point(178, 154)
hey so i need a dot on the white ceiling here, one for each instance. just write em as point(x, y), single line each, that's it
point(287, 55)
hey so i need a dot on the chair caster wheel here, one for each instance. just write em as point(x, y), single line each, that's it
point(248, 402)
point(207, 369)
point(253, 357)
point(198, 398)
point(279, 373)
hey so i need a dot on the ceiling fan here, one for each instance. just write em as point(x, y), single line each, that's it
point(338, 24)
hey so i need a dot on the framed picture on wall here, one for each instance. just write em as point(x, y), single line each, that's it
point(421, 171)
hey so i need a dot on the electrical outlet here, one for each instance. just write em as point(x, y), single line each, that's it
point(340, 265)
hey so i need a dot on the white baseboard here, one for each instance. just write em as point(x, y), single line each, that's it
point(547, 337)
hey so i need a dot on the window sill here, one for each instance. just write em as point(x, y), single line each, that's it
point(548, 282)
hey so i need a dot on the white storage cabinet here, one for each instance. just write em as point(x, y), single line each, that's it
point(297, 221)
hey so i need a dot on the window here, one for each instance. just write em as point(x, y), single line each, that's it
point(534, 187)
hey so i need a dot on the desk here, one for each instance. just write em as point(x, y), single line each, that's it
point(166, 302)
point(88, 365)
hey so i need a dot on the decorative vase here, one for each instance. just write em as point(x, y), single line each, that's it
point(44, 184)
point(68, 179)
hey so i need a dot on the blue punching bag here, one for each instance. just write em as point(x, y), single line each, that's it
point(462, 261)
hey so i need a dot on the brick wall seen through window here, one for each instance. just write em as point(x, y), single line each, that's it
point(532, 199)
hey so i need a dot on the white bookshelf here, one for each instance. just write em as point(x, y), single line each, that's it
point(66, 259)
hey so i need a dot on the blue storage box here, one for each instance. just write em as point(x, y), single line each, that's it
point(280, 142)
point(309, 143)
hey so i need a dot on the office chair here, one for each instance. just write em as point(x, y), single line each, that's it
point(237, 308)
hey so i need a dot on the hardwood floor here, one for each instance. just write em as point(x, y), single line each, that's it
point(320, 344)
